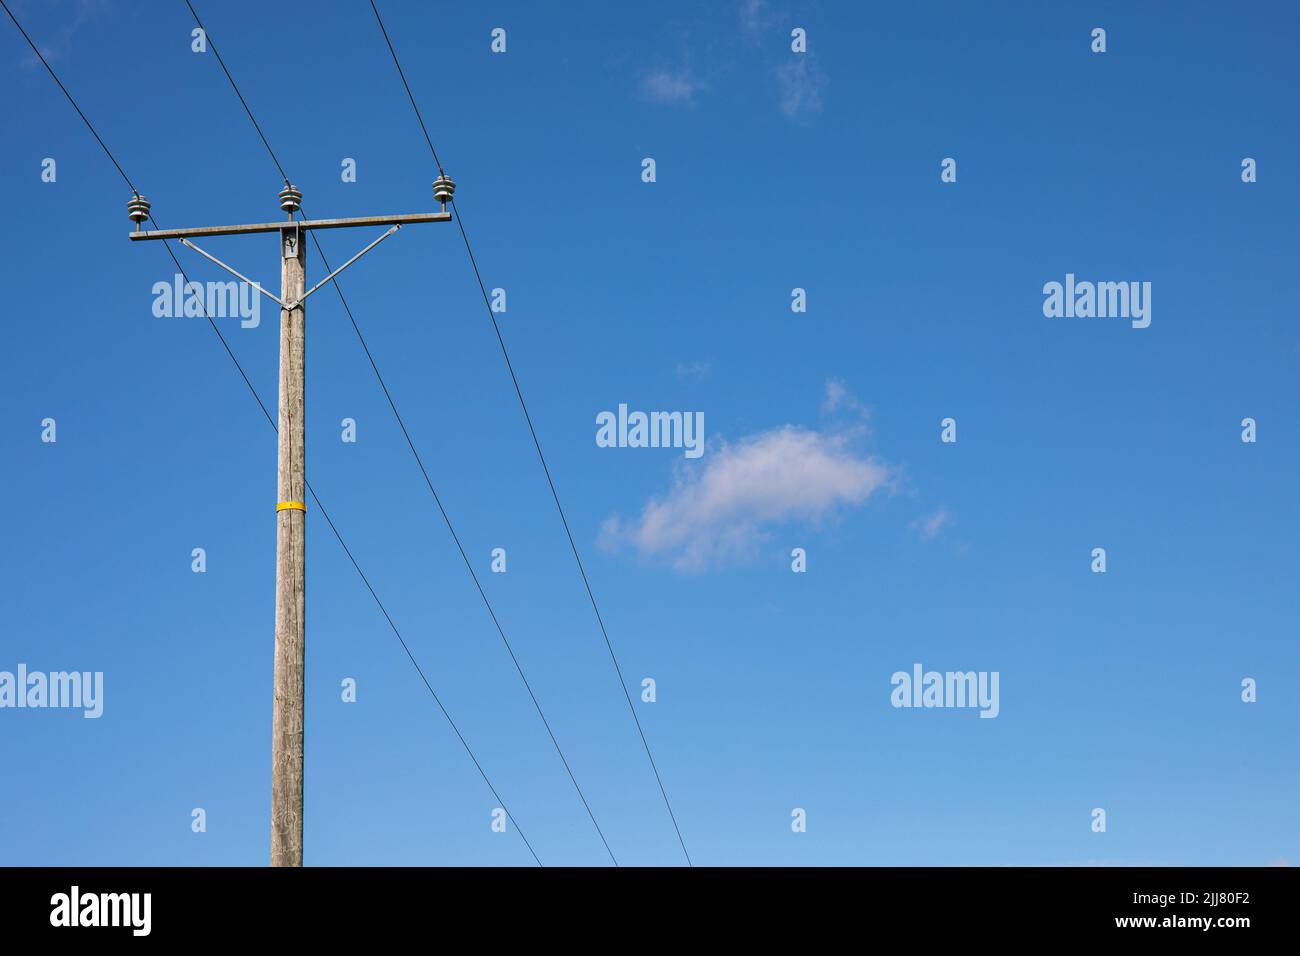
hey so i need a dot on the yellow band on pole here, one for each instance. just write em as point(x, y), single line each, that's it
point(290, 506)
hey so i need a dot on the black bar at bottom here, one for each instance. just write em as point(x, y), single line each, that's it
point(648, 910)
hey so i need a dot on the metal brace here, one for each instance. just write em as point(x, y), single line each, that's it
point(289, 243)
point(391, 229)
point(238, 275)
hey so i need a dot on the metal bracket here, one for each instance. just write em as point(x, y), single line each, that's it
point(238, 275)
point(289, 241)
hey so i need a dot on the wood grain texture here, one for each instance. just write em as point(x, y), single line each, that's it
point(290, 577)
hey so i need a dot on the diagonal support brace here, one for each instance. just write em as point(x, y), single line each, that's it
point(293, 305)
point(239, 275)
point(290, 306)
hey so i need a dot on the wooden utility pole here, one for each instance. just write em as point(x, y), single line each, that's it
point(287, 720)
point(290, 554)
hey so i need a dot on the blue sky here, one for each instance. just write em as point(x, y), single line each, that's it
point(774, 170)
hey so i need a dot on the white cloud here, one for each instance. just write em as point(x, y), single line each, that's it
point(931, 525)
point(693, 370)
point(721, 509)
point(800, 82)
point(670, 86)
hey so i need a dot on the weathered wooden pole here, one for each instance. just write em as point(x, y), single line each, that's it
point(290, 553)
point(291, 479)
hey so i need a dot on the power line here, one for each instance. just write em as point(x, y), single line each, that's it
point(465, 558)
point(260, 404)
point(622, 681)
point(54, 76)
point(419, 670)
point(538, 445)
point(411, 444)
point(209, 42)
point(409, 95)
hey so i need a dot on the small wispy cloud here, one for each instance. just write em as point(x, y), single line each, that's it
point(930, 525)
point(677, 86)
point(838, 398)
point(754, 17)
point(693, 370)
point(721, 510)
point(74, 15)
point(800, 82)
